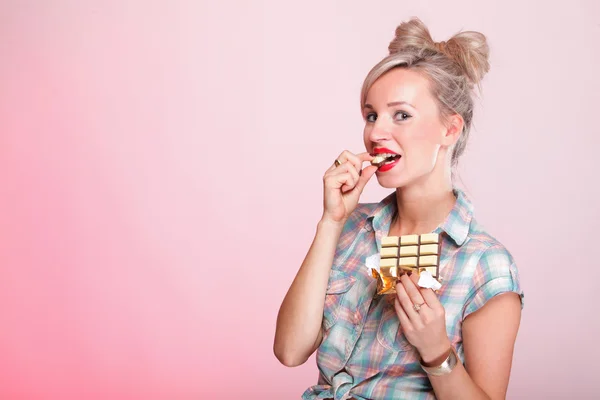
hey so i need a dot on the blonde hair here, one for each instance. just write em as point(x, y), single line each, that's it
point(453, 68)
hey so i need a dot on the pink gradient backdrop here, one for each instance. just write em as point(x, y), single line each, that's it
point(160, 177)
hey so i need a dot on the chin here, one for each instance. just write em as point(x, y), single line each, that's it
point(389, 182)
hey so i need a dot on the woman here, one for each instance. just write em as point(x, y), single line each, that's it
point(454, 344)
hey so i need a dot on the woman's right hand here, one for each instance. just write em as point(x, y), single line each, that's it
point(344, 184)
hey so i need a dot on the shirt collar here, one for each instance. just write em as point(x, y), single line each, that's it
point(456, 224)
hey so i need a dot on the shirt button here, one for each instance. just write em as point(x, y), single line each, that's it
point(368, 227)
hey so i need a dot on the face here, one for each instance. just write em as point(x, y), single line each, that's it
point(401, 116)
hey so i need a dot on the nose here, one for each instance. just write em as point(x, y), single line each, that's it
point(380, 129)
point(379, 133)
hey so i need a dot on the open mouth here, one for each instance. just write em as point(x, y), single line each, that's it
point(382, 159)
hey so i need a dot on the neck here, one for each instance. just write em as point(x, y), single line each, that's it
point(420, 209)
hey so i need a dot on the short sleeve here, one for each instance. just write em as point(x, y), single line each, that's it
point(496, 273)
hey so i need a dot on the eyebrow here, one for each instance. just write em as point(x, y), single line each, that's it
point(394, 103)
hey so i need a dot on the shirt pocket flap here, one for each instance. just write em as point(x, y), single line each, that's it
point(339, 282)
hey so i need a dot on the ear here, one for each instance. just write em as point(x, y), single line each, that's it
point(454, 126)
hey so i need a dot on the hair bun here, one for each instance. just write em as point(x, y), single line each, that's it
point(411, 34)
point(471, 51)
point(468, 49)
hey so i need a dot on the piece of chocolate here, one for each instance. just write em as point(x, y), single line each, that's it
point(390, 241)
point(406, 254)
point(377, 160)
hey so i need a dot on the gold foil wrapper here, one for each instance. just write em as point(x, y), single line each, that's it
point(387, 278)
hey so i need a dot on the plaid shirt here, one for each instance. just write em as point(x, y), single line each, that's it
point(364, 354)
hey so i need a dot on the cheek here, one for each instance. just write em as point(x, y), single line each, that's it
point(422, 140)
point(422, 147)
point(366, 134)
point(429, 132)
point(429, 135)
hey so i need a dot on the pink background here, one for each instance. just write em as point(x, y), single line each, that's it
point(160, 177)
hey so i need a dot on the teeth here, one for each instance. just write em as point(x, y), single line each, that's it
point(387, 154)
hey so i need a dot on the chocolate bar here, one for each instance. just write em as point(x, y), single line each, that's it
point(406, 254)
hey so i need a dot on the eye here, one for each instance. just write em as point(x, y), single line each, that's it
point(371, 117)
point(401, 116)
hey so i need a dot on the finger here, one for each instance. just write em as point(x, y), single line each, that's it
point(357, 159)
point(339, 180)
point(333, 167)
point(412, 290)
point(404, 320)
point(330, 176)
point(346, 167)
point(431, 298)
point(354, 160)
point(367, 173)
point(341, 158)
point(344, 156)
point(407, 304)
point(428, 295)
point(360, 157)
point(415, 277)
point(338, 170)
point(366, 156)
point(355, 177)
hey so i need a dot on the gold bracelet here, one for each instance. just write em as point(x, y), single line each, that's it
point(445, 367)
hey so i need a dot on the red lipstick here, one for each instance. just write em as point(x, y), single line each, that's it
point(383, 150)
point(388, 165)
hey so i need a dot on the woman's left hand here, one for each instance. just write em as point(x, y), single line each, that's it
point(426, 328)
